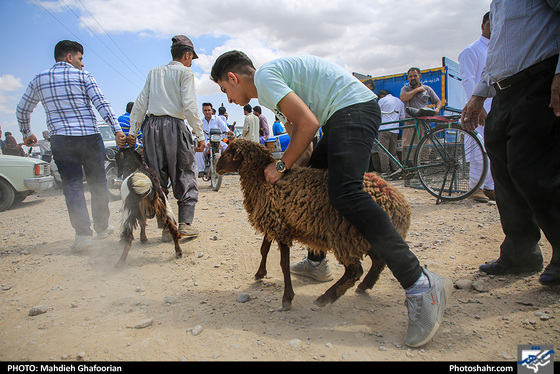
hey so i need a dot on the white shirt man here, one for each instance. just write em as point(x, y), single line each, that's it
point(209, 121)
point(392, 109)
point(472, 61)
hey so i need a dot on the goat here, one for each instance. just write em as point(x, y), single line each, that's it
point(142, 198)
point(297, 208)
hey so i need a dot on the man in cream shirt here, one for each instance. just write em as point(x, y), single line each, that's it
point(168, 99)
point(250, 125)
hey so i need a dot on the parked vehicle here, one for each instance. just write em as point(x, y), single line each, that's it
point(211, 159)
point(114, 180)
point(277, 144)
point(20, 177)
point(444, 80)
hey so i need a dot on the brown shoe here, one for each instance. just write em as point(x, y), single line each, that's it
point(480, 197)
point(187, 230)
point(490, 193)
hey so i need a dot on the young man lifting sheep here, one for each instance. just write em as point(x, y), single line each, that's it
point(309, 93)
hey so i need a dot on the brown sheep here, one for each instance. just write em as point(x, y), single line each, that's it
point(297, 208)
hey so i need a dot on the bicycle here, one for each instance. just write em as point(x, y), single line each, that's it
point(442, 160)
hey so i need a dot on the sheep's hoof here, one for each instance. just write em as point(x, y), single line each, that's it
point(285, 306)
point(320, 302)
point(260, 276)
point(178, 254)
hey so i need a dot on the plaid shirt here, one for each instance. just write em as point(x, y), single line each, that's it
point(66, 94)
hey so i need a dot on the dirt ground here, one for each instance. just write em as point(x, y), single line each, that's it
point(207, 306)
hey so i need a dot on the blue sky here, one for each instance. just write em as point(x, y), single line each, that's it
point(123, 40)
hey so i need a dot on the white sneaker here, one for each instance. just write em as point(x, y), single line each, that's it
point(81, 243)
point(321, 272)
point(105, 233)
point(425, 310)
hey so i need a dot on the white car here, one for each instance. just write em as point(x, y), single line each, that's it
point(106, 134)
point(20, 177)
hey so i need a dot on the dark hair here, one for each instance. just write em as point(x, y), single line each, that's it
point(370, 83)
point(207, 104)
point(232, 61)
point(413, 68)
point(222, 110)
point(248, 108)
point(129, 107)
point(62, 48)
point(485, 18)
point(179, 50)
point(383, 93)
point(257, 109)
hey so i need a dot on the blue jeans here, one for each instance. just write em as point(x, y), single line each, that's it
point(345, 150)
point(70, 154)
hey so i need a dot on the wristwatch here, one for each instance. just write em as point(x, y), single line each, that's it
point(281, 166)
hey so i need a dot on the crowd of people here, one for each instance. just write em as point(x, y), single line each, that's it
point(527, 183)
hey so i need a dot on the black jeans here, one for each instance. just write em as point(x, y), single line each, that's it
point(345, 150)
point(71, 154)
point(522, 138)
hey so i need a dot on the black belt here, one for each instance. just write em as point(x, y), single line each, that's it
point(538, 68)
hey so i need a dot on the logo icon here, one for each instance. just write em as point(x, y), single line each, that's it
point(535, 359)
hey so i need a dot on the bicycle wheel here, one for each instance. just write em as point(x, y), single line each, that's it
point(445, 160)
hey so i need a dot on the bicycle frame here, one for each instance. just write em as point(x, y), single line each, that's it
point(442, 171)
point(417, 122)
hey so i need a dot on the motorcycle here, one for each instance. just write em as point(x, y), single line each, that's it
point(114, 180)
point(211, 159)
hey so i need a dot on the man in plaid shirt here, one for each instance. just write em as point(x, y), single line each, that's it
point(66, 93)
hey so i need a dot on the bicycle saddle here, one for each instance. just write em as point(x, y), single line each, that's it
point(420, 112)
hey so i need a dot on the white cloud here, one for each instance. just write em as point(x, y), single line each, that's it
point(10, 83)
point(374, 37)
point(377, 37)
point(8, 101)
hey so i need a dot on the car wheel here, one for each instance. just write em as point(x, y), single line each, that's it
point(7, 195)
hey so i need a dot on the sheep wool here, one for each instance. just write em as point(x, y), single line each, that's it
point(297, 207)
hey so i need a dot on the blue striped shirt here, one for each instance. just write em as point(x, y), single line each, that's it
point(124, 121)
point(67, 95)
point(524, 33)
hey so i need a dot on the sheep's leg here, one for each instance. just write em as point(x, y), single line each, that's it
point(288, 289)
point(143, 237)
point(165, 220)
point(176, 237)
point(126, 237)
point(178, 250)
point(265, 248)
point(377, 266)
point(352, 273)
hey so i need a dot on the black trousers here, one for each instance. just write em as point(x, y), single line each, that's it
point(344, 150)
point(522, 138)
